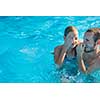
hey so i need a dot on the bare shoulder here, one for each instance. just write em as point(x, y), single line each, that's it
point(97, 63)
point(58, 48)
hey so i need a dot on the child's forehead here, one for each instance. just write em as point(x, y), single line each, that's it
point(72, 34)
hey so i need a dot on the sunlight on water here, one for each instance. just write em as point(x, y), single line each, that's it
point(26, 44)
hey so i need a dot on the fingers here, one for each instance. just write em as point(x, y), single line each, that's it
point(82, 45)
point(80, 48)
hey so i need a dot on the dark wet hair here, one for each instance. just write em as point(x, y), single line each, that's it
point(96, 32)
point(69, 29)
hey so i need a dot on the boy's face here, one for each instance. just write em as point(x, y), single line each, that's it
point(89, 41)
point(72, 38)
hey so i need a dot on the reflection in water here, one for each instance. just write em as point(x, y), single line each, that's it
point(26, 43)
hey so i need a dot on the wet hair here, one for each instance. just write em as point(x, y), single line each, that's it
point(69, 29)
point(96, 32)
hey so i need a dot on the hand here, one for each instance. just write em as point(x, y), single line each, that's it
point(67, 44)
point(80, 50)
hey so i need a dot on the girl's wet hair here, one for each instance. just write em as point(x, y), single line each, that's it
point(96, 32)
point(69, 29)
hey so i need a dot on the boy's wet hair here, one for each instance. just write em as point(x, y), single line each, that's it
point(69, 29)
point(96, 32)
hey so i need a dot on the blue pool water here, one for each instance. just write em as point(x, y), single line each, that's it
point(26, 44)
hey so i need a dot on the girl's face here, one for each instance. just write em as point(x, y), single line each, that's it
point(72, 38)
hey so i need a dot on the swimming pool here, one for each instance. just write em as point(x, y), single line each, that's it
point(26, 43)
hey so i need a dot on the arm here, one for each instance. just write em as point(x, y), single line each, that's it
point(59, 54)
point(81, 64)
point(94, 66)
point(80, 51)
